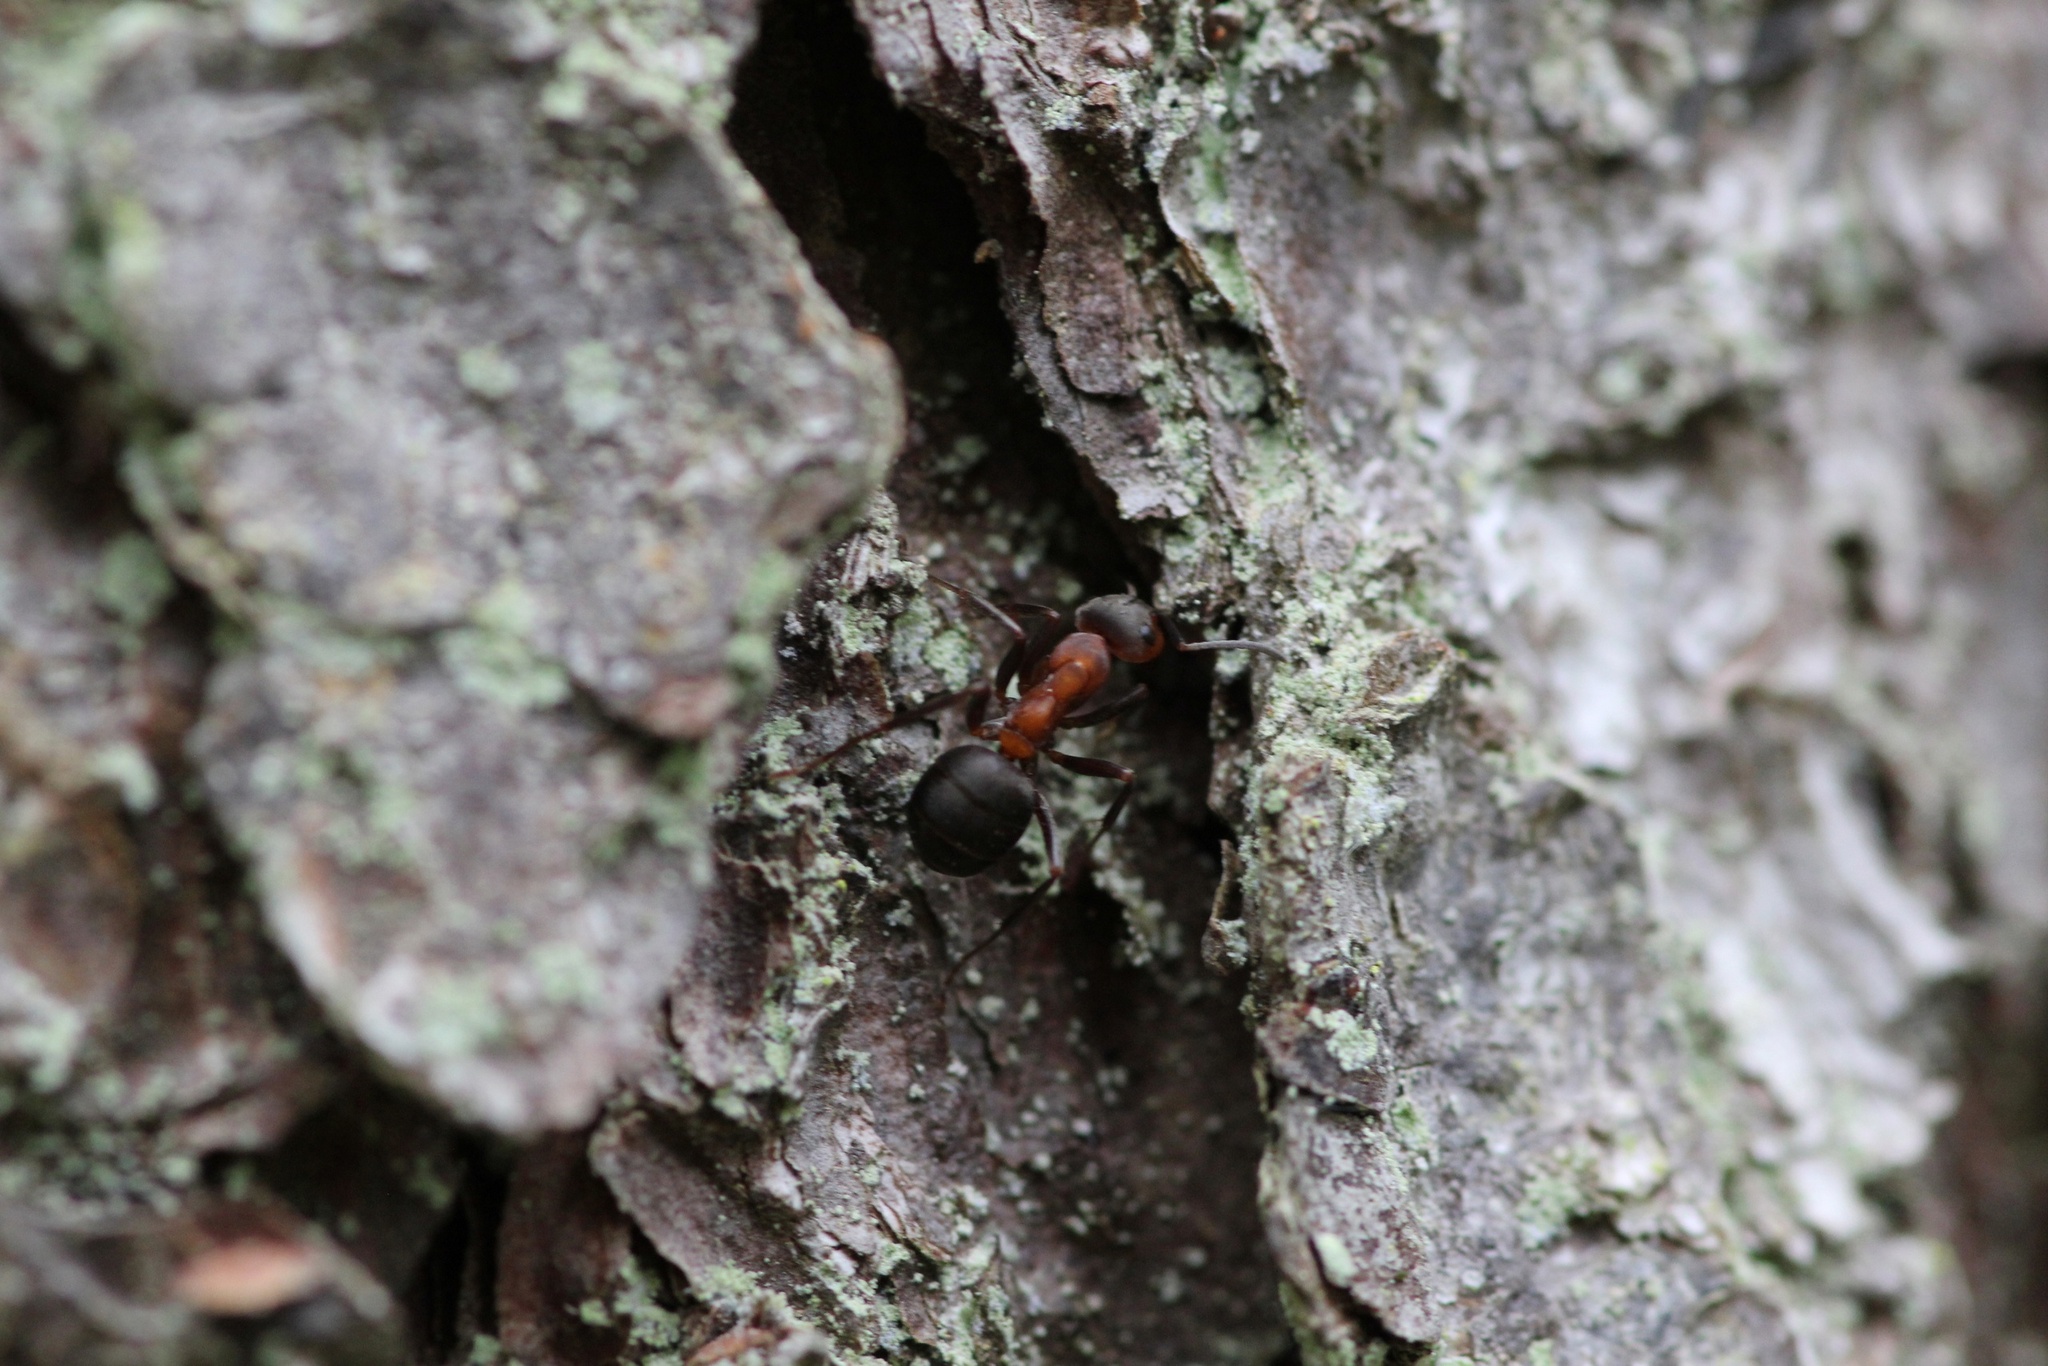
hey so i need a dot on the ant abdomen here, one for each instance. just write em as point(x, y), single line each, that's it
point(970, 808)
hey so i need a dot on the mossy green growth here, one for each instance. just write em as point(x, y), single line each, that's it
point(133, 246)
point(1317, 1350)
point(124, 767)
point(134, 583)
point(593, 388)
point(567, 974)
point(53, 62)
point(920, 637)
point(653, 1329)
point(660, 59)
point(1351, 1041)
point(322, 647)
point(495, 660)
point(771, 742)
point(162, 471)
point(1412, 1130)
point(459, 1017)
point(1214, 222)
point(808, 988)
point(488, 373)
point(769, 585)
point(1563, 1190)
point(81, 1170)
point(496, 666)
point(1149, 931)
point(980, 1328)
point(52, 23)
point(750, 655)
point(727, 1286)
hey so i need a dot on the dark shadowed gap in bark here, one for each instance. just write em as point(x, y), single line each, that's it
point(1991, 1166)
point(1116, 1073)
point(1995, 1160)
point(407, 1195)
point(75, 476)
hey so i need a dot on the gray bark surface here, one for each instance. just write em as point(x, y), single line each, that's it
point(456, 456)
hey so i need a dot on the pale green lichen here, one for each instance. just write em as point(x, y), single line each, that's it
point(918, 637)
point(488, 373)
point(567, 974)
point(1149, 930)
point(1412, 1130)
point(134, 583)
point(772, 741)
point(964, 454)
point(133, 246)
point(428, 1180)
point(726, 1285)
point(810, 986)
point(658, 60)
point(654, 1331)
point(1564, 1189)
point(316, 643)
point(499, 667)
point(459, 1016)
point(1352, 1042)
point(750, 655)
point(1336, 1258)
point(593, 388)
point(123, 766)
point(372, 817)
point(769, 584)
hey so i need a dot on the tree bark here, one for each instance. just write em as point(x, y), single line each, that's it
point(456, 459)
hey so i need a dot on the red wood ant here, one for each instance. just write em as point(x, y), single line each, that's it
point(973, 804)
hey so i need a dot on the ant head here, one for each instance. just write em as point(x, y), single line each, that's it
point(1126, 623)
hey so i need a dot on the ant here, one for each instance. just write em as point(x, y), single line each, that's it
point(974, 804)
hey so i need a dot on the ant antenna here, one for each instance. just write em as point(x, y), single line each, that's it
point(1187, 647)
point(1009, 622)
point(1191, 647)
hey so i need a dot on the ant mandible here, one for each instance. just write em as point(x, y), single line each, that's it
point(973, 804)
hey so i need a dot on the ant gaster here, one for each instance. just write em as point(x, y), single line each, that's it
point(973, 804)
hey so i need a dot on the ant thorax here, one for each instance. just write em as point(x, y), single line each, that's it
point(1072, 673)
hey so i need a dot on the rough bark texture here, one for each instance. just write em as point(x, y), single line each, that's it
point(419, 424)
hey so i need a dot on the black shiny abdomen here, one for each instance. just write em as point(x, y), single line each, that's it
point(969, 809)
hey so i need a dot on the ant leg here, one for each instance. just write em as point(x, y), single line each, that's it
point(1096, 768)
point(1028, 652)
point(1025, 646)
point(1037, 894)
point(1013, 659)
point(1042, 809)
point(1192, 647)
point(978, 695)
point(1108, 711)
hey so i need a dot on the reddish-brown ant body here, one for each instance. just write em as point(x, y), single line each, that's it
point(973, 804)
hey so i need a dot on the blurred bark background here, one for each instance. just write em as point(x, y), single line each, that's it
point(452, 451)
